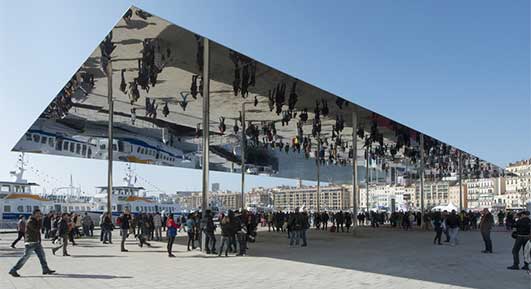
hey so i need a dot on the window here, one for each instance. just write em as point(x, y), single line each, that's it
point(6, 188)
point(28, 137)
point(36, 138)
point(120, 146)
point(89, 154)
point(65, 146)
point(84, 150)
point(44, 140)
point(59, 145)
point(35, 207)
point(28, 209)
point(20, 209)
point(136, 208)
point(7, 209)
point(78, 148)
point(72, 147)
point(114, 147)
point(102, 146)
point(50, 142)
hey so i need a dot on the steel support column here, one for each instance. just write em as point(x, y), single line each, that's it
point(206, 133)
point(110, 137)
point(421, 176)
point(354, 170)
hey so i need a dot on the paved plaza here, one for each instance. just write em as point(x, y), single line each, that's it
point(375, 258)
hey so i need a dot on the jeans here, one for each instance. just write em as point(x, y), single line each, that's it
point(453, 235)
point(64, 245)
point(210, 242)
point(519, 243)
point(303, 236)
point(19, 237)
point(224, 240)
point(487, 240)
point(294, 237)
point(39, 251)
point(124, 233)
point(86, 230)
point(107, 236)
point(158, 233)
point(170, 244)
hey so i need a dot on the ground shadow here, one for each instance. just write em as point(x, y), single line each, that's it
point(81, 276)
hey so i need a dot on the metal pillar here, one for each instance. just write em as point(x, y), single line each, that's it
point(460, 169)
point(421, 176)
point(110, 138)
point(206, 131)
point(354, 170)
point(367, 177)
point(242, 153)
point(318, 200)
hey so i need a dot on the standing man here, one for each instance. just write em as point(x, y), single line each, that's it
point(124, 220)
point(63, 232)
point(485, 226)
point(33, 244)
point(157, 225)
point(523, 233)
point(452, 222)
point(87, 224)
point(21, 230)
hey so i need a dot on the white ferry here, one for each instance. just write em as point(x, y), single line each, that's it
point(16, 198)
point(131, 198)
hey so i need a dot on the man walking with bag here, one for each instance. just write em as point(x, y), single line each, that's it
point(485, 226)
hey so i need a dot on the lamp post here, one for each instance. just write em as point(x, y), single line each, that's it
point(460, 170)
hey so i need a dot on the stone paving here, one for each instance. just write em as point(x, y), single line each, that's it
point(381, 258)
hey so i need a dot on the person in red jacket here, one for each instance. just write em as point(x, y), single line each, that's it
point(172, 232)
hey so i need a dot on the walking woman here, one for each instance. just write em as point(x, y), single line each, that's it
point(21, 230)
point(172, 232)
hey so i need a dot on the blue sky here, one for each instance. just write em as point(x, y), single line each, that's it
point(457, 70)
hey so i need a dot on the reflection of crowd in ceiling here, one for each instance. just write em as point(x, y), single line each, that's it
point(333, 147)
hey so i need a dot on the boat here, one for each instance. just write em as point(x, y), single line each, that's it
point(17, 198)
point(132, 198)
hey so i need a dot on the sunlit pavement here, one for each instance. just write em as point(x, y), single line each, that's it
point(381, 258)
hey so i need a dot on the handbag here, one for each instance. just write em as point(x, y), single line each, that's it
point(514, 235)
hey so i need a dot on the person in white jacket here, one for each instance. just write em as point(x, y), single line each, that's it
point(157, 224)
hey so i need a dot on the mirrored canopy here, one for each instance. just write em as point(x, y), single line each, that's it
point(157, 85)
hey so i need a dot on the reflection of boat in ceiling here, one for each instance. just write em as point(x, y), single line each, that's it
point(51, 137)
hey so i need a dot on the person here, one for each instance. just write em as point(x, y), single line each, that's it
point(102, 217)
point(21, 230)
point(501, 217)
point(63, 232)
point(523, 234)
point(172, 233)
point(157, 226)
point(190, 225)
point(87, 224)
point(47, 225)
point(124, 223)
point(32, 240)
point(485, 226)
point(438, 227)
point(145, 230)
point(295, 225)
point(305, 226)
point(107, 228)
point(241, 234)
point(225, 235)
point(452, 222)
point(209, 228)
point(348, 221)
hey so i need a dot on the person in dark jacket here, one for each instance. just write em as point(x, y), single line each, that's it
point(523, 234)
point(452, 223)
point(33, 244)
point(63, 232)
point(295, 225)
point(124, 223)
point(438, 227)
point(485, 226)
point(107, 227)
point(208, 227)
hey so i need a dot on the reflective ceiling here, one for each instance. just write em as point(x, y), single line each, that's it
point(157, 87)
